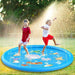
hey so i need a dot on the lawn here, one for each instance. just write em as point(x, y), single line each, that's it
point(66, 43)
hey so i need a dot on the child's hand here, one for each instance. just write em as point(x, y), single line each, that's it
point(42, 27)
point(54, 19)
point(27, 39)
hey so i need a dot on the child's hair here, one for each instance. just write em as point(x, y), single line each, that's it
point(26, 20)
point(47, 21)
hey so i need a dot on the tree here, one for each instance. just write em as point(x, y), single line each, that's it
point(17, 10)
point(73, 1)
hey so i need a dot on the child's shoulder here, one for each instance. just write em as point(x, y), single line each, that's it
point(28, 28)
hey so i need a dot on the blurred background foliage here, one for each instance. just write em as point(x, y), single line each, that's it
point(21, 9)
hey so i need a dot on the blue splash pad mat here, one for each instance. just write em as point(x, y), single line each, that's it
point(54, 58)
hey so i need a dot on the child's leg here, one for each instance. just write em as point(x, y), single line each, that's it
point(45, 40)
point(50, 37)
point(55, 41)
point(19, 46)
point(43, 49)
point(26, 49)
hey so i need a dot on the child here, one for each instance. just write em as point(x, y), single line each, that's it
point(25, 37)
point(46, 36)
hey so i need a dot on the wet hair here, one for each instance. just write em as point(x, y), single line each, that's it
point(26, 20)
point(47, 21)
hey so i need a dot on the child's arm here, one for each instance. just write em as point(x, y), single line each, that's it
point(44, 28)
point(27, 40)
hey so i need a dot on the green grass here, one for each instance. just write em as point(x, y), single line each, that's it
point(6, 43)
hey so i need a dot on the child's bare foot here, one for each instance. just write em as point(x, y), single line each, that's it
point(57, 44)
point(27, 53)
point(17, 54)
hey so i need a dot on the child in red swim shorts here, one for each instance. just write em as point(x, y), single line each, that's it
point(46, 36)
point(25, 37)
